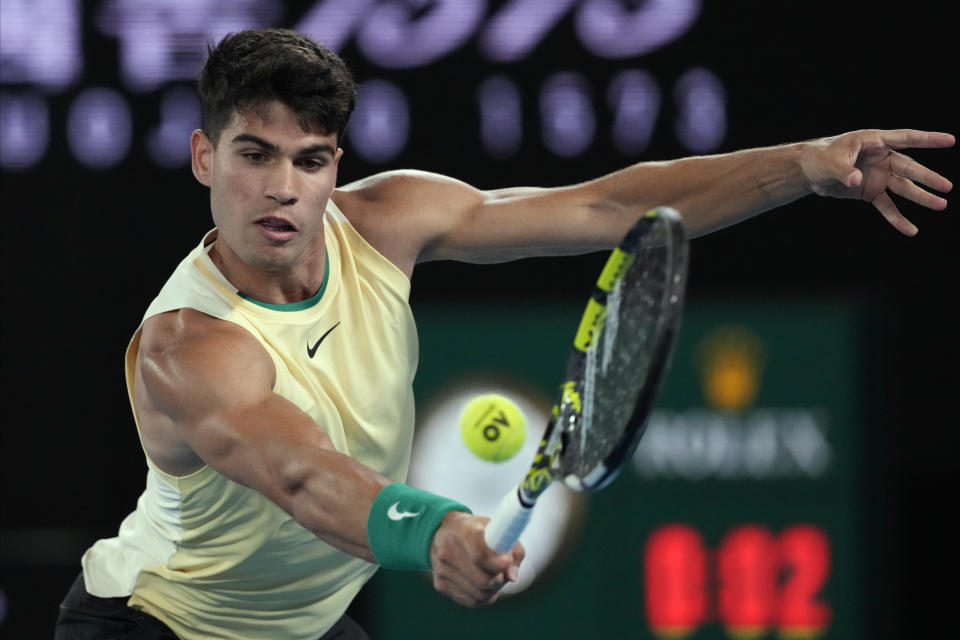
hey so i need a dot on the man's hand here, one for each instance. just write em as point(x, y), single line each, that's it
point(464, 568)
point(864, 165)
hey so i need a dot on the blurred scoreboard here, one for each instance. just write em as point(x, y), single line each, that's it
point(112, 82)
point(736, 518)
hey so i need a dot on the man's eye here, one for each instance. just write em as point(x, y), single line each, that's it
point(254, 157)
point(312, 164)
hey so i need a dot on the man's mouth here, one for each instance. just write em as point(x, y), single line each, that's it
point(276, 229)
point(276, 224)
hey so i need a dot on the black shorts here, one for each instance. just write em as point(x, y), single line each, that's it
point(87, 617)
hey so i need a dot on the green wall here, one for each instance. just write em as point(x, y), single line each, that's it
point(786, 457)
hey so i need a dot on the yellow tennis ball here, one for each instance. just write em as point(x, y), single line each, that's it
point(493, 427)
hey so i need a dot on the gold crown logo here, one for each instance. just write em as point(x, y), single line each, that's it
point(730, 360)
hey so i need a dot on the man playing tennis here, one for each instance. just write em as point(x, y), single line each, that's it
point(271, 377)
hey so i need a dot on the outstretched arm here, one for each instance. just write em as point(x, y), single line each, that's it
point(716, 191)
point(418, 216)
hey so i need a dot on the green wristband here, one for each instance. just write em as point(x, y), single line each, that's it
point(401, 525)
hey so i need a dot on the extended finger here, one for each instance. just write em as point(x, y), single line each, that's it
point(912, 138)
point(913, 170)
point(910, 191)
point(889, 210)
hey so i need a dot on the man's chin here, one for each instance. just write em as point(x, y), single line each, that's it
point(274, 260)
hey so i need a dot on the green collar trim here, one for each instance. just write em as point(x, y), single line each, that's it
point(303, 304)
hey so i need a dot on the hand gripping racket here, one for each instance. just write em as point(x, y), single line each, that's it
point(620, 354)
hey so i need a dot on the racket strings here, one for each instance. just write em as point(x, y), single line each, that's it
point(619, 363)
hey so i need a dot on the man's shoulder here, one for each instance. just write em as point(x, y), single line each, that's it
point(402, 212)
point(183, 331)
point(393, 211)
point(407, 196)
point(367, 202)
point(396, 190)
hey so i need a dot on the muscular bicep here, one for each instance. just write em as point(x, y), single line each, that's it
point(214, 382)
point(510, 224)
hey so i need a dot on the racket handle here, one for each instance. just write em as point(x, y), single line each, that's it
point(507, 523)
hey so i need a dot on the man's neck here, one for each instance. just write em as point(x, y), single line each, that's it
point(296, 284)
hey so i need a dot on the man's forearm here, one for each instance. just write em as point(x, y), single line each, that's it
point(711, 192)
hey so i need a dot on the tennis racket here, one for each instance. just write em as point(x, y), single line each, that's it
point(620, 354)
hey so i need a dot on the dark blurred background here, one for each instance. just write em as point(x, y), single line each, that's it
point(96, 106)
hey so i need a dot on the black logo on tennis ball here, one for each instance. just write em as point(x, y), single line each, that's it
point(492, 431)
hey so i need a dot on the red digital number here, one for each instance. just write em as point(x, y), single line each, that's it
point(804, 552)
point(675, 580)
point(747, 581)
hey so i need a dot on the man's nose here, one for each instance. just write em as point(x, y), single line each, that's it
point(282, 185)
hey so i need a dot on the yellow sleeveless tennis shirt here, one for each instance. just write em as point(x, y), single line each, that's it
point(214, 559)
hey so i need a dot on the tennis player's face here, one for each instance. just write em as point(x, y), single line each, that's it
point(269, 185)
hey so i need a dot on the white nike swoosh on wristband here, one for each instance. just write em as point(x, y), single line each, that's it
point(395, 514)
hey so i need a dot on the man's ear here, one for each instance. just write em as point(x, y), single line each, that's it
point(336, 168)
point(201, 157)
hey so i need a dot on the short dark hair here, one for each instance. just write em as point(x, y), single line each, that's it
point(250, 68)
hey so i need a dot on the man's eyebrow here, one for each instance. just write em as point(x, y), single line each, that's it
point(273, 148)
point(317, 148)
point(260, 142)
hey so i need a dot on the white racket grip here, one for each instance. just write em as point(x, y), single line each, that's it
point(507, 523)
